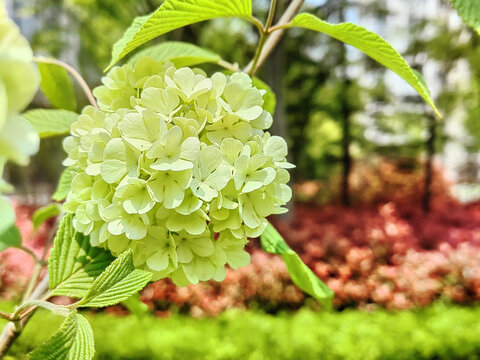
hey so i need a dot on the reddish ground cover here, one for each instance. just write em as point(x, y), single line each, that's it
point(384, 251)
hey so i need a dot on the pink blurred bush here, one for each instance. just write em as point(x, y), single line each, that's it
point(381, 252)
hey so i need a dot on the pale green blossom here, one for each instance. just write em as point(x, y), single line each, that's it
point(18, 84)
point(176, 166)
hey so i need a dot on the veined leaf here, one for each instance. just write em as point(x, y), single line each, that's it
point(469, 11)
point(73, 341)
point(118, 282)
point(57, 86)
point(51, 122)
point(179, 53)
point(272, 242)
point(174, 14)
point(372, 45)
point(10, 238)
point(64, 184)
point(44, 213)
point(73, 263)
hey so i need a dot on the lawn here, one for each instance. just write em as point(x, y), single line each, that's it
point(437, 332)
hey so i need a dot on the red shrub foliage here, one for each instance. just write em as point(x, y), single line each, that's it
point(384, 251)
point(16, 266)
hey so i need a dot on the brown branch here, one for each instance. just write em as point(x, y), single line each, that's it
point(13, 329)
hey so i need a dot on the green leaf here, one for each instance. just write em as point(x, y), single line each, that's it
point(136, 306)
point(269, 99)
point(64, 184)
point(73, 341)
point(73, 263)
point(118, 282)
point(372, 45)
point(272, 242)
point(51, 122)
point(10, 238)
point(174, 14)
point(7, 214)
point(469, 11)
point(179, 53)
point(57, 86)
point(44, 213)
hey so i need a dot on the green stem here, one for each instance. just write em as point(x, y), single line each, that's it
point(264, 32)
point(74, 73)
point(258, 51)
point(29, 252)
point(271, 14)
point(33, 281)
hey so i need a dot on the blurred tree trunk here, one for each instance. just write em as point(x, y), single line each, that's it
point(430, 147)
point(274, 76)
point(345, 118)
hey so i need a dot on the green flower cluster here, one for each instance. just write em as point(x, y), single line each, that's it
point(177, 166)
point(18, 84)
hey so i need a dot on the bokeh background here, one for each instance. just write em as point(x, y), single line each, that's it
point(386, 205)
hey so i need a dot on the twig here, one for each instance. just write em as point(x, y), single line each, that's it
point(271, 14)
point(229, 66)
point(5, 315)
point(73, 72)
point(12, 330)
point(277, 33)
point(29, 252)
point(32, 282)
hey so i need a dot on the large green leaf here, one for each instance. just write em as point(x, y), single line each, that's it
point(64, 184)
point(10, 238)
point(174, 14)
point(117, 283)
point(179, 53)
point(57, 86)
point(73, 341)
point(469, 11)
point(44, 213)
point(73, 263)
point(372, 45)
point(302, 276)
point(51, 122)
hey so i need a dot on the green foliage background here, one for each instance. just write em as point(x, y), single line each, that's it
point(439, 332)
point(318, 91)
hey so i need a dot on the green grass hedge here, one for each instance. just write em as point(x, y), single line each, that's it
point(438, 332)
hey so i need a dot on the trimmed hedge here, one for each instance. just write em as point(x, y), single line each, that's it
point(438, 332)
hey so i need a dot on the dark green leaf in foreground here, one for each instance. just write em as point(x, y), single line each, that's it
point(174, 14)
point(117, 283)
point(272, 242)
point(73, 341)
point(73, 263)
